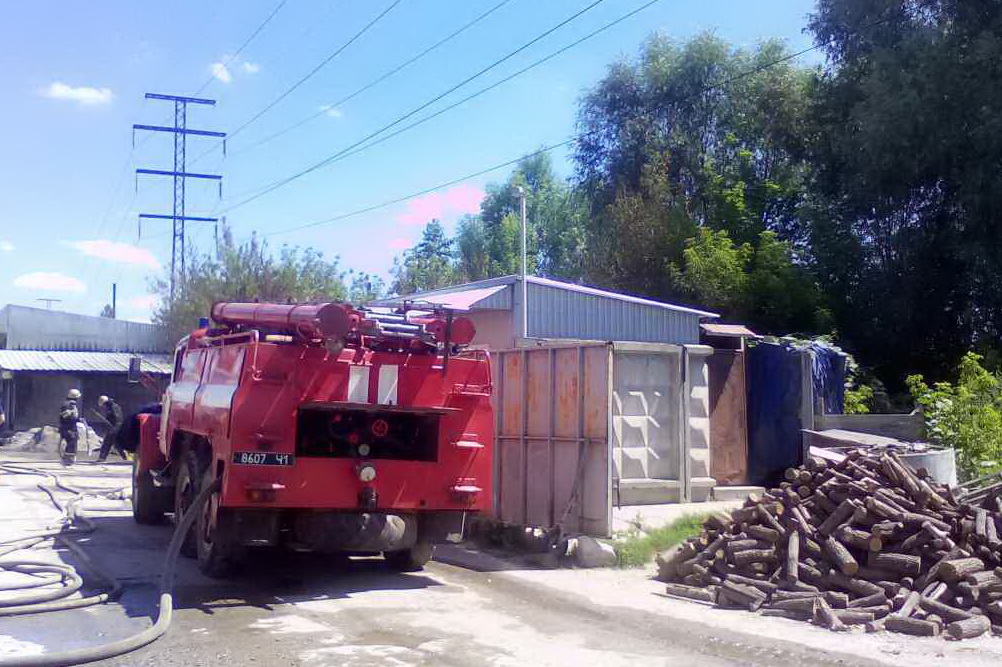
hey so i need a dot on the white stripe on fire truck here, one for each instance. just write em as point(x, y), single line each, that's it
point(387, 389)
point(358, 384)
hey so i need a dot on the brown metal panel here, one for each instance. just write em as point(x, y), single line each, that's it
point(512, 500)
point(539, 401)
point(566, 392)
point(511, 415)
point(596, 392)
point(728, 417)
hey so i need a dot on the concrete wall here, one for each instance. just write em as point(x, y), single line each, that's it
point(36, 397)
point(23, 328)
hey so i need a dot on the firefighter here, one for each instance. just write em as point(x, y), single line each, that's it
point(69, 417)
point(112, 413)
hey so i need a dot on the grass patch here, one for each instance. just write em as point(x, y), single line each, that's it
point(635, 548)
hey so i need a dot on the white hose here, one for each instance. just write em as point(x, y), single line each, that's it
point(39, 601)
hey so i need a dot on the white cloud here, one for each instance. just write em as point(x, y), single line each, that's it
point(220, 71)
point(143, 302)
point(113, 251)
point(6, 246)
point(331, 111)
point(83, 95)
point(50, 281)
point(250, 68)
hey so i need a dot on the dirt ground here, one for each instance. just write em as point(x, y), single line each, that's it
point(467, 608)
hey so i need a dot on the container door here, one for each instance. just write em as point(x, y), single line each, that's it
point(647, 425)
point(552, 441)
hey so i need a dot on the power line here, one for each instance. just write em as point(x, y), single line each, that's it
point(316, 69)
point(282, 182)
point(545, 149)
point(371, 84)
point(243, 46)
point(482, 91)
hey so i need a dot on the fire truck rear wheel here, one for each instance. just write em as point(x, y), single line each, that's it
point(218, 549)
point(146, 507)
point(409, 560)
point(185, 490)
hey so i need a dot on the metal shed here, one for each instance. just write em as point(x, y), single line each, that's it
point(559, 310)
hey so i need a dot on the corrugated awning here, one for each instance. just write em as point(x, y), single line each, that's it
point(80, 362)
point(728, 330)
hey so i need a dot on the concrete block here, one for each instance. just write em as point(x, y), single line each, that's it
point(589, 552)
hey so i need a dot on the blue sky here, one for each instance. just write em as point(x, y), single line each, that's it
point(75, 74)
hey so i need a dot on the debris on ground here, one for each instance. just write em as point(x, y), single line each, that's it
point(865, 541)
point(47, 439)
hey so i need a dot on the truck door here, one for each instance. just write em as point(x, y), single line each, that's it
point(181, 392)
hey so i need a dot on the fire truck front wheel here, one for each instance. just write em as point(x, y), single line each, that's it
point(409, 560)
point(146, 501)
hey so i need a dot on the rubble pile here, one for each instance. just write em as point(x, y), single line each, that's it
point(863, 541)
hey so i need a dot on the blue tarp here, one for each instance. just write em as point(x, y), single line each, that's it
point(774, 399)
point(828, 378)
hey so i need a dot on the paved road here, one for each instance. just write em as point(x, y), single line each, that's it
point(289, 609)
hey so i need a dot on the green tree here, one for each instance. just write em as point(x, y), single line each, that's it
point(364, 287)
point(107, 311)
point(903, 221)
point(426, 266)
point(490, 244)
point(694, 185)
point(245, 271)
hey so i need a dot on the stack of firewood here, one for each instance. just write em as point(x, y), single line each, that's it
point(864, 541)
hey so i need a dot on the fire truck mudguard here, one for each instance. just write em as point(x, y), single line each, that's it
point(327, 428)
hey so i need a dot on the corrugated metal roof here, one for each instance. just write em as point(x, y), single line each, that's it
point(26, 328)
point(80, 362)
point(431, 295)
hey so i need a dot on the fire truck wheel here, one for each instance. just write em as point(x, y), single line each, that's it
point(219, 550)
point(409, 560)
point(185, 490)
point(145, 497)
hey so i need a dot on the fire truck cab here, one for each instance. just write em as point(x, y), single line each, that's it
point(330, 428)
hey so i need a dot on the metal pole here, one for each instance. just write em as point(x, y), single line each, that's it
point(114, 300)
point(525, 271)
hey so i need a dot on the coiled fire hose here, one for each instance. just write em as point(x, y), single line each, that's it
point(58, 599)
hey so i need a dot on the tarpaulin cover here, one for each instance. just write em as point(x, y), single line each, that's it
point(774, 399)
point(828, 377)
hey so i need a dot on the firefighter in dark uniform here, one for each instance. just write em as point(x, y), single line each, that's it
point(112, 413)
point(69, 417)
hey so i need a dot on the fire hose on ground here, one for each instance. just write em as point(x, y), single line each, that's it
point(35, 601)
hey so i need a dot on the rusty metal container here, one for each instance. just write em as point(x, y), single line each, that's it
point(583, 427)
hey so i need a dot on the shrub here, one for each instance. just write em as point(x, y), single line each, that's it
point(966, 416)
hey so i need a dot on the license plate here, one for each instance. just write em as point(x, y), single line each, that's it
point(263, 459)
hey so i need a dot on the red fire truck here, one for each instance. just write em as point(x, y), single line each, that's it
point(330, 428)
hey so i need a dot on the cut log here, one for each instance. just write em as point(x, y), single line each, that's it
point(793, 556)
point(836, 518)
point(766, 587)
point(802, 605)
point(901, 563)
point(840, 556)
point(785, 613)
point(853, 616)
point(764, 533)
point(692, 593)
point(952, 571)
point(750, 556)
point(868, 601)
point(824, 615)
point(859, 539)
point(912, 626)
point(944, 611)
point(970, 627)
